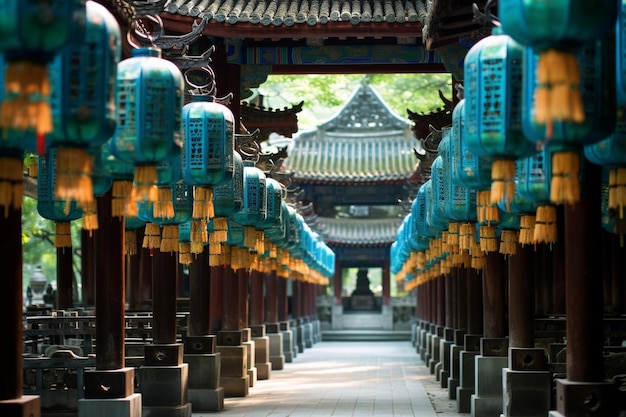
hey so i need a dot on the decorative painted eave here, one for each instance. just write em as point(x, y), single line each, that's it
point(289, 13)
point(358, 232)
point(267, 120)
point(364, 143)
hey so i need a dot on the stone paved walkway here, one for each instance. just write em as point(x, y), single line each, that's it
point(346, 379)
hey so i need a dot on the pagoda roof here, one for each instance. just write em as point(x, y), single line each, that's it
point(366, 142)
point(364, 232)
point(295, 14)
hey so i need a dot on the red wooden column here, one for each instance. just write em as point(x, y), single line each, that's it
point(87, 267)
point(216, 277)
point(164, 288)
point(283, 300)
point(521, 292)
point(230, 300)
point(200, 292)
point(474, 302)
point(271, 297)
point(110, 287)
point(12, 402)
point(243, 292)
point(133, 283)
point(65, 278)
point(584, 386)
point(257, 301)
point(494, 325)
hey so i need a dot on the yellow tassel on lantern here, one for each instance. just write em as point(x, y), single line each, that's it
point(502, 182)
point(565, 186)
point(467, 234)
point(184, 253)
point(527, 229)
point(73, 168)
point(557, 96)
point(163, 208)
point(144, 184)
point(11, 184)
point(508, 242)
point(203, 203)
point(488, 240)
point(130, 242)
point(249, 237)
point(90, 217)
point(617, 190)
point(120, 194)
point(486, 211)
point(169, 238)
point(199, 233)
point(152, 236)
point(220, 230)
point(25, 105)
point(63, 235)
point(545, 225)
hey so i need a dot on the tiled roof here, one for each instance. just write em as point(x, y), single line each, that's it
point(358, 232)
point(365, 143)
point(291, 12)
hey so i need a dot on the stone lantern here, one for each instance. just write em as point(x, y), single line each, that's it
point(37, 284)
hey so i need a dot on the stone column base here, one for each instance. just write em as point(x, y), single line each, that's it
point(527, 393)
point(30, 406)
point(120, 407)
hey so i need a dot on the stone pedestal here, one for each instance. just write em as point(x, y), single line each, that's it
point(95, 407)
point(422, 342)
point(261, 352)
point(164, 390)
point(289, 348)
point(234, 378)
point(30, 406)
point(308, 333)
point(205, 391)
point(467, 379)
point(526, 384)
point(455, 363)
point(444, 353)
point(276, 348)
point(112, 392)
point(337, 317)
point(435, 356)
point(249, 344)
point(317, 330)
point(299, 336)
point(594, 399)
point(487, 399)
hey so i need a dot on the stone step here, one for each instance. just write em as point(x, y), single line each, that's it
point(365, 335)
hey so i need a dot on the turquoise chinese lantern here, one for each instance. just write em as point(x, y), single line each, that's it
point(556, 30)
point(182, 202)
point(254, 210)
point(13, 146)
point(493, 108)
point(533, 186)
point(208, 151)
point(32, 32)
point(149, 100)
point(567, 138)
point(51, 208)
point(272, 226)
point(227, 200)
point(122, 174)
point(83, 79)
point(611, 220)
point(611, 154)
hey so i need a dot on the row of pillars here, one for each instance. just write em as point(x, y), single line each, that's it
point(475, 329)
point(228, 309)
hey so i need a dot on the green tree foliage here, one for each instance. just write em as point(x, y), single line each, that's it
point(324, 94)
point(38, 242)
